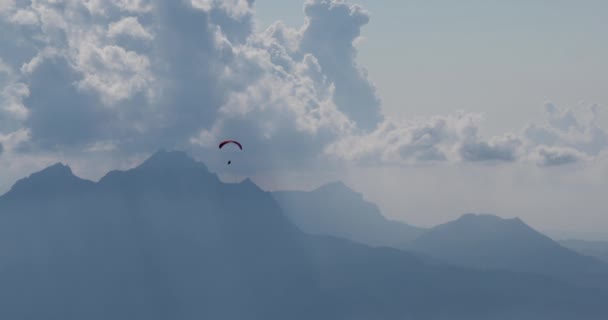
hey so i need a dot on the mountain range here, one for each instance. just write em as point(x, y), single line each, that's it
point(335, 209)
point(169, 240)
point(485, 241)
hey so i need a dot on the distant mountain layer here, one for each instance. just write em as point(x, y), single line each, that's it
point(168, 240)
point(598, 249)
point(334, 209)
point(489, 242)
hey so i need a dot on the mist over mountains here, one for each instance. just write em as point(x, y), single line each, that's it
point(489, 242)
point(169, 240)
point(480, 241)
point(335, 209)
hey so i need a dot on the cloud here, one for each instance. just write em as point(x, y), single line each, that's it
point(132, 76)
point(113, 72)
point(6, 6)
point(496, 149)
point(564, 128)
point(279, 111)
point(129, 26)
point(566, 136)
point(12, 100)
point(440, 138)
point(24, 17)
point(135, 76)
point(555, 156)
point(87, 83)
point(330, 31)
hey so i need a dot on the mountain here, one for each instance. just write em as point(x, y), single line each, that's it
point(598, 249)
point(168, 240)
point(489, 242)
point(335, 209)
point(165, 240)
point(385, 283)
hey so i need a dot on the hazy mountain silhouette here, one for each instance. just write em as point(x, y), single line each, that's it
point(335, 209)
point(489, 242)
point(598, 249)
point(168, 240)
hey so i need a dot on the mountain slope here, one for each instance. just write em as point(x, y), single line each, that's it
point(489, 242)
point(165, 240)
point(386, 283)
point(168, 240)
point(336, 210)
point(597, 249)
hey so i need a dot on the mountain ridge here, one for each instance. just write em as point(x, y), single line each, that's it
point(178, 244)
point(489, 242)
point(335, 209)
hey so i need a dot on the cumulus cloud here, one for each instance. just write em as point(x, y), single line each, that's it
point(330, 31)
point(556, 156)
point(503, 148)
point(440, 138)
point(279, 111)
point(573, 135)
point(12, 101)
point(6, 6)
point(132, 76)
point(25, 17)
point(566, 136)
point(113, 72)
point(128, 26)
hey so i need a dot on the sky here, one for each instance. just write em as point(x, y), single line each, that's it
point(431, 109)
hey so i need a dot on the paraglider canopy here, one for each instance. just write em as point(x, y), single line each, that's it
point(225, 142)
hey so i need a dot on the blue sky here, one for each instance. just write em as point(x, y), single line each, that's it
point(429, 108)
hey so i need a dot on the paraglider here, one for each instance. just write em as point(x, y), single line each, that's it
point(225, 142)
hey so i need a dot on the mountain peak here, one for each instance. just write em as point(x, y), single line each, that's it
point(58, 171)
point(336, 186)
point(248, 182)
point(480, 217)
point(58, 168)
point(170, 159)
point(52, 178)
point(162, 168)
point(487, 241)
point(486, 219)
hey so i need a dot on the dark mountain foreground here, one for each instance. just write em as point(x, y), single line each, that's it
point(168, 240)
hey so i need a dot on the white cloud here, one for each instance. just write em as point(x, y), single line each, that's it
point(440, 138)
point(12, 101)
point(113, 72)
point(11, 140)
point(565, 129)
point(129, 26)
point(504, 148)
point(132, 76)
point(134, 6)
point(6, 6)
point(330, 32)
point(25, 17)
point(556, 156)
